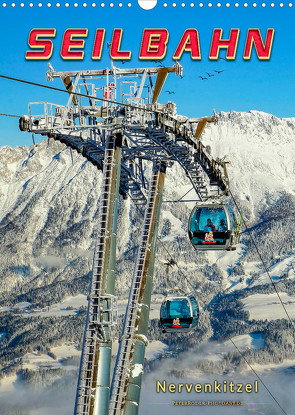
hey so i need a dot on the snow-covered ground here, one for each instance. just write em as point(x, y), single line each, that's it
point(283, 366)
point(215, 351)
point(19, 307)
point(268, 306)
point(153, 349)
point(260, 147)
point(68, 306)
point(35, 360)
point(155, 310)
point(57, 356)
point(71, 304)
point(7, 384)
point(226, 261)
point(212, 351)
point(276, 271)
point(252, 341)
point(178, 228)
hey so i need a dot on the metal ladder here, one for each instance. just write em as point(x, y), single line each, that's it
point(182, 155)
point(96, 324)
point(125, 353)
point(95, 155)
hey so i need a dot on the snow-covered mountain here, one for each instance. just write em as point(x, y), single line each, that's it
point(261, 149)
point(48, 217)
point(49, 202)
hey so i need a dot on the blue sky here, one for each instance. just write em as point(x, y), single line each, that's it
point(260, 85)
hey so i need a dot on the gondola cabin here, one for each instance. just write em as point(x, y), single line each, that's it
point(179, 314)
point(213, 226)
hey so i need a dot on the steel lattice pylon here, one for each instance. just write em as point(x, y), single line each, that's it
point(119, 132)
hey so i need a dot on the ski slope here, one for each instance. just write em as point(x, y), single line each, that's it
point(268, 306)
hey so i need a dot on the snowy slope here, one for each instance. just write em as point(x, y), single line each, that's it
point(49, 205)
point(261, 148)
point(268, 306)
point(48, 217)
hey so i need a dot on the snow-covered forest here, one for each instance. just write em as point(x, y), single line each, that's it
point(48, 224)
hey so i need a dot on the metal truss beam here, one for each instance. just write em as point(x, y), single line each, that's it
point(126, 383)
point(94, 378)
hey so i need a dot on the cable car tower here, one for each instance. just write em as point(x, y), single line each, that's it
point(112, 118)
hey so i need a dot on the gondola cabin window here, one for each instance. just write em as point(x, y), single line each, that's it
point(179, 314)
point(212, 226)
